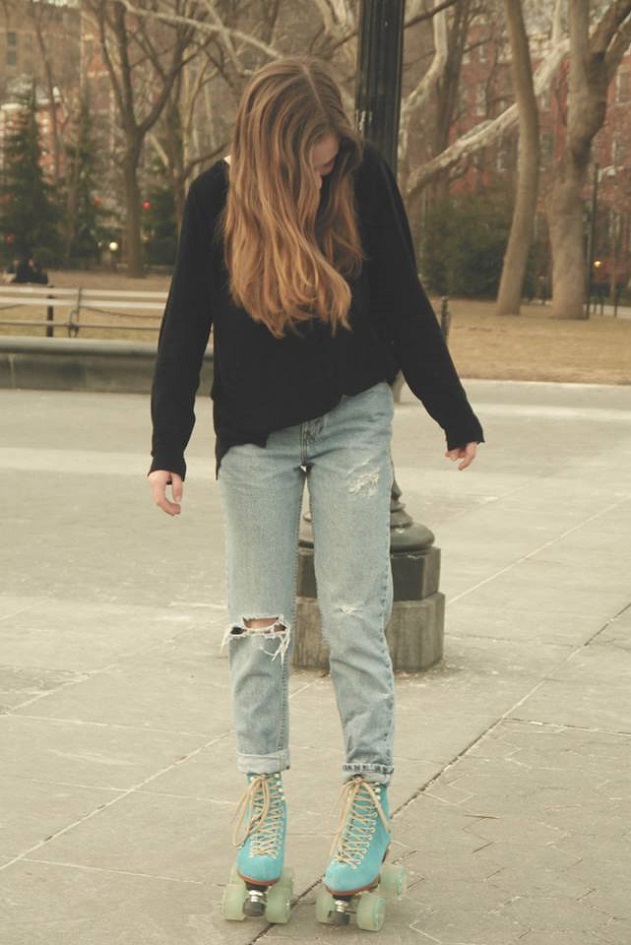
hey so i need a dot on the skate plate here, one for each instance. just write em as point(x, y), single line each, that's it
point(368, 906)
point(242, 900)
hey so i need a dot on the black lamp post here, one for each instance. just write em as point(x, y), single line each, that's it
point(378, 108)
point(415, 632)
point(379, 67)
point(591, 240)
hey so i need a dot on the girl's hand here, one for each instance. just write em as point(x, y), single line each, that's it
point(465, 453)
point(159, 479)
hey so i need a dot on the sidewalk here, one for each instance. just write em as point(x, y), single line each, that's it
point(513, 785)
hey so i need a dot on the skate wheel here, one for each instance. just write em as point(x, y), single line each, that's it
point(371, 912)
point(278, 906)
point(233, 900)
point(287, 880)
point(393, 881)
point(324, 907)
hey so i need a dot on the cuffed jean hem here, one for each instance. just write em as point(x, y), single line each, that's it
point(263, 764)
point(376, 774)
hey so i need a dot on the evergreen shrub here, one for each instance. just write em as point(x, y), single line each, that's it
point(463, 243)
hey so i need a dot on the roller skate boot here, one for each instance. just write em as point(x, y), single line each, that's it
point(258, 885)
point(356, 882)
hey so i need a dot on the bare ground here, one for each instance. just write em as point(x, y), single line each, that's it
point(531, 346)
point(535, 347)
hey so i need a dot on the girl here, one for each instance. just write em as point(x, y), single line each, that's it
point(298, 253)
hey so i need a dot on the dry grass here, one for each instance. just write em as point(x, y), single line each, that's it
point(535, 347)
point(531, 347)
point(108, 279)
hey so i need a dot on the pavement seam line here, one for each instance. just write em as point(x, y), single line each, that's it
point(103, 807)
point(21, 610)
point(572, 728)
point(102, 869)
point(608, 624)
point(504, 717)
point(92, 674)
point(536, 551)
point(65, 720)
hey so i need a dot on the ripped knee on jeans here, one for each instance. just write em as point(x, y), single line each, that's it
point(272, 624)
point(266, 628)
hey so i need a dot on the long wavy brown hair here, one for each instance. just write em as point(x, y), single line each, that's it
point(290, 253)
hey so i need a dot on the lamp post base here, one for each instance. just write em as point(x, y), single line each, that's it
point(416, 629)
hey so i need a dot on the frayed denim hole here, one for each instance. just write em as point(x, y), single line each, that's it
point(277, 630)
point(365, 484)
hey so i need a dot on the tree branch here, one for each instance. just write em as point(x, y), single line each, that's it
point(217, 29)
point(488, 131)
point(611, 21)
point(618, 48)
point(429, 14)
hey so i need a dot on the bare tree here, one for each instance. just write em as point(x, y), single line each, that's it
point(245, 35)
point(516, 258)
point(594, 59)
point(233, 39)
point(488, 131)
point(37, 13)
point(54, 29)
point(229, 40)
point(176, 143)
point(143, 60)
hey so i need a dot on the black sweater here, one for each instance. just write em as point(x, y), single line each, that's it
point(262, 383)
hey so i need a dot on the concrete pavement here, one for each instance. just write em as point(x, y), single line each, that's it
point(513, 784)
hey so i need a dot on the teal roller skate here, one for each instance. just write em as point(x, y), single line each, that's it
point(258, 884)
point(356, 882)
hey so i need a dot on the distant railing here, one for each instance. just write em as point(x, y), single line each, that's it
point(75, 302)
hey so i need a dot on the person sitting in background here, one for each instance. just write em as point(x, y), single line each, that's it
point(29, 270)
point(39, 275)
point(8, 275)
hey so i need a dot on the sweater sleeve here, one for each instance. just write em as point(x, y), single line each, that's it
point(403, 310)
point(183, 337)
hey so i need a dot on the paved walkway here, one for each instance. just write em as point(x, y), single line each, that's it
point(513, 786)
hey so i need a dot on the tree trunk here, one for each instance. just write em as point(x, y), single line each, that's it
point(567, 237)
point(70, 210)
point(594, 58)
point(133, 49)
point(133, 237)
point(447, 89)
point(174, 141)
point(36, 10)
point(522, 228)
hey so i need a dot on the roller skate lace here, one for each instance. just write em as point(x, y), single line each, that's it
point(260, 816)
point(361, 811)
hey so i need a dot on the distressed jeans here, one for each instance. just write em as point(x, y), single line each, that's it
point(344, 458)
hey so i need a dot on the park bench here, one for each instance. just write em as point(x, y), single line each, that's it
point(72, 303)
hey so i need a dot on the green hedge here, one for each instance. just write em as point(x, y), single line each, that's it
point(463, 244)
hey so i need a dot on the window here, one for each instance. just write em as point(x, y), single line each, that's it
point(12, 48)
point(618, 153)
point(506, 156)
point(547, 146)
point(622, 86)
point(480, 99)
point(462, 105)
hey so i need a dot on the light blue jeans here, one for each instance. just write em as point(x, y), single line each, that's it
point(344, 457)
